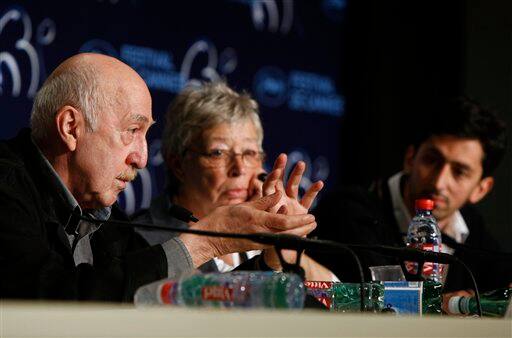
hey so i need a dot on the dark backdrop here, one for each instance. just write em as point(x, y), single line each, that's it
point(339, 82)
point(286, 53)
point(401, 55)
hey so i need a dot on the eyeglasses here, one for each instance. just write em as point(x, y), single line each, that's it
point(218, 158)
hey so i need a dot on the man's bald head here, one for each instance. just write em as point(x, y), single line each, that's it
point(89, 82)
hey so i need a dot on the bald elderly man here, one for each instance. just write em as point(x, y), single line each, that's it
point(89, 123)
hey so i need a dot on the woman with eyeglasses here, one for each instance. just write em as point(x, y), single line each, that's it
point(212, 146)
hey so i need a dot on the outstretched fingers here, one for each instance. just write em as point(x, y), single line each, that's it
point(311, 193)
point(275, 177)
point(269, 186)
point(255, 189)
point(292, 187)
point(280, 163)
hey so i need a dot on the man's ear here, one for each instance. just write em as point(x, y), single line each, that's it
point(481, 190)
point(69, 122)
point(174, 163)
point(409, 159)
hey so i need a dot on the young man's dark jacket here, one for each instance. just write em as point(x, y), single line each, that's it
point(357, 215)
point(36, 260)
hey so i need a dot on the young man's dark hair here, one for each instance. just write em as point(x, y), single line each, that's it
point(465, 118)
point(455, 145)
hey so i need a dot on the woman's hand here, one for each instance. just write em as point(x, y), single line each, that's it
point(255, 189)
point(289, 204)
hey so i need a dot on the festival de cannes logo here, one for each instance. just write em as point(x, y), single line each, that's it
point(300, 90)
point(270, 87)
point(21, 55)
point(268, 16)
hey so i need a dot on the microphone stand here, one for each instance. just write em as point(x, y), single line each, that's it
point(280, 242)
point(286, 241)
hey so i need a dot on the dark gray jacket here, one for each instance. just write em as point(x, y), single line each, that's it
point(36, 260)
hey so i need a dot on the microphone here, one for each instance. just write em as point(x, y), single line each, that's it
point(287, 241)
point(182, 214)
point(480, 252)
point(262, 177)
point(279, 241)
point(293, 242)
point(407, 253)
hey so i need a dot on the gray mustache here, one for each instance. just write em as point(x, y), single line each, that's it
point(128, 175)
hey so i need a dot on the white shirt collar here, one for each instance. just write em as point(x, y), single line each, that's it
point(225, 267)
point(456, 228)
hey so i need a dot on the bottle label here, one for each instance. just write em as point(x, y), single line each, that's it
point(321, 290)
point(429, 268)
point(217, 293)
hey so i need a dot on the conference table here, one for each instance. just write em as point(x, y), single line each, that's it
point(41, 319)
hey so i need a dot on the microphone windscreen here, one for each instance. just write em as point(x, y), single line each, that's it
point(182, 214)
point(262, 177)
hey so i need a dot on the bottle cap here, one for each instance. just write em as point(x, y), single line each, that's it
point(453, 305)
point(167, 292)
point(424, 204)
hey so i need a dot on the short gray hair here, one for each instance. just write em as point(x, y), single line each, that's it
point(200, 107)
point(76, 86)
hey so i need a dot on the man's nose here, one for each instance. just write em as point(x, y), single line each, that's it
point(139, 156)
point(443, 177)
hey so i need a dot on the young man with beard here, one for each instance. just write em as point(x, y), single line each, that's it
point(451, 161)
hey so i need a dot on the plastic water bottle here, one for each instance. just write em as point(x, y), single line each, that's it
point(424, 234)
point(494, 303)
point(245, 289)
